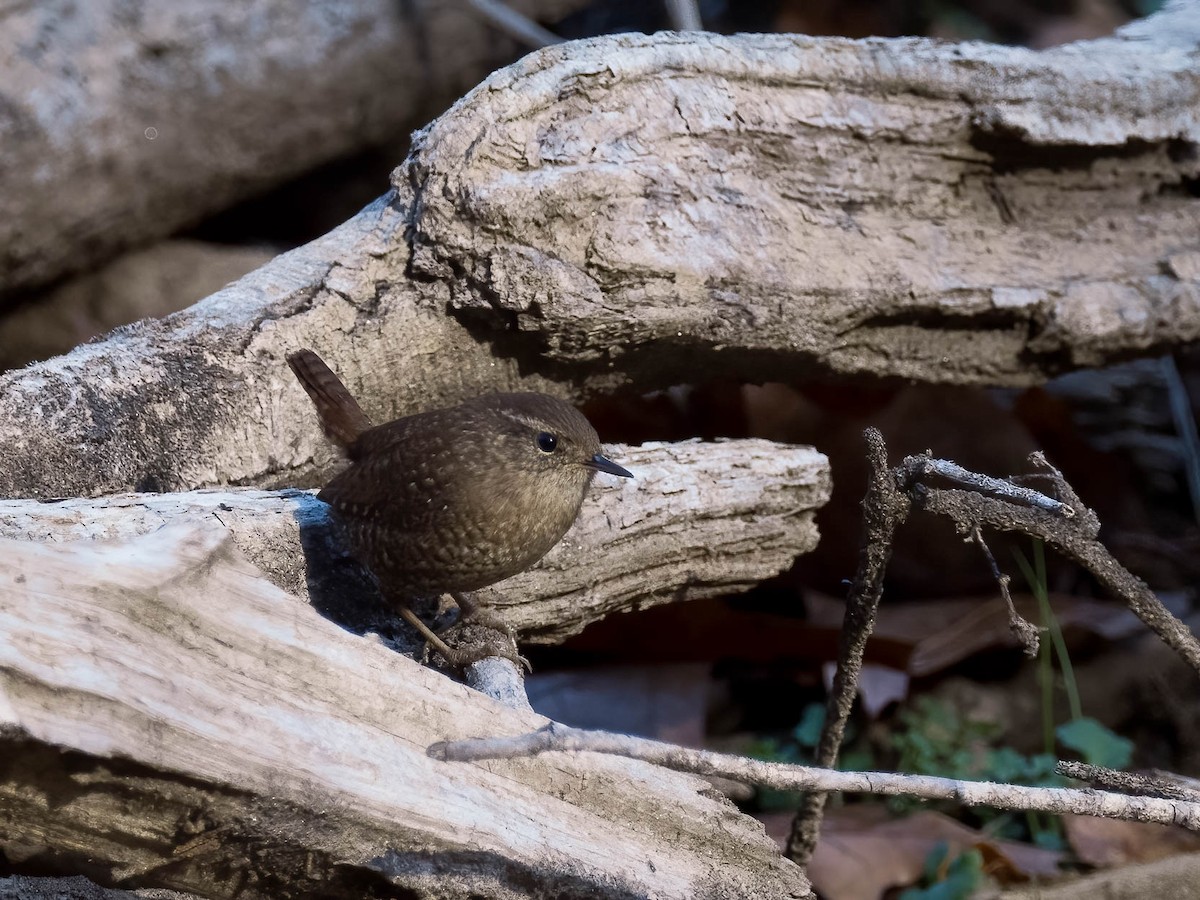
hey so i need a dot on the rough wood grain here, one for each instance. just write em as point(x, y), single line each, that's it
point(123, 122)
point(698, 520)
point(632, 211)
point(772, 204)
point(168, 718)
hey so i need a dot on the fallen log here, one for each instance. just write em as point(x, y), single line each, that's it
point(698, 520)
point(169, 718)
point(120, 126)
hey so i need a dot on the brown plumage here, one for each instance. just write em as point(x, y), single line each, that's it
point(455, 499)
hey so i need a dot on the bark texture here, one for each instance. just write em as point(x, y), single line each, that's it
point(284, 756)
point(122, 122)
point(771, 205)
point(698, 520)
point(632, 211)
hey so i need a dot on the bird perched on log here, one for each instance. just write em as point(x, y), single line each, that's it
point(453, 500)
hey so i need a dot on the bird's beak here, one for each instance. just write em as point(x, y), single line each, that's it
point(604, 464)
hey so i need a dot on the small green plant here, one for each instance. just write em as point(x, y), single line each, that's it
point(932, 738)
point(935, 739)
point(1095, 743)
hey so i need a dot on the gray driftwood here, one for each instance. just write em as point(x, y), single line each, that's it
point(698, 520)
point(631, 212)
point(123, 123)
point(169, 718)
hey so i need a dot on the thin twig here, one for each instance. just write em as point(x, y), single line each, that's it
point(1086, 521)
point(1023, 630)
point(1185, 427)
point(971, 510)
point(924, 464)
point(514, 24)
point(785, 777)
point(1128, 782)
point(1065, 524)
point(684, 15)
point(884, 509)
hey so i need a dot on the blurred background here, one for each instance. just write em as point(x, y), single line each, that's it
point(109, 214)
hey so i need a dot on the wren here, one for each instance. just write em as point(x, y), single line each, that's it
point(453, 500)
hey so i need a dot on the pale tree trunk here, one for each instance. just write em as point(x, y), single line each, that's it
point(122, 123)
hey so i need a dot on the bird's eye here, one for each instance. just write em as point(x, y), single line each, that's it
point(546, 442)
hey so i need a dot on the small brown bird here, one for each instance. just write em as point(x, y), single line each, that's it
point(453, 500)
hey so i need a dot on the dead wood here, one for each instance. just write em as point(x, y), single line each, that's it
point(168, 718)
point(632, 211)
point(120, 127)
point(697, 520)
point(161, 279)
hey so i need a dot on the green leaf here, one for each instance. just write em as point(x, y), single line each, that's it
point(808, 732)
point(963, 876)
point(1095, 743)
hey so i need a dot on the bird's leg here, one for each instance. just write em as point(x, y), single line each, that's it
point(462, 657)
point(451, 655)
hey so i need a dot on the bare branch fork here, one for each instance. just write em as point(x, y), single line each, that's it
point(1071, 528)
point(1062, 521)
point(787, 777)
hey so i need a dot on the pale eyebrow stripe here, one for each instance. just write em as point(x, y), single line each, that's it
point(520, 419)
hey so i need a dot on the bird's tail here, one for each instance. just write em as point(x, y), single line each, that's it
point(341, 417)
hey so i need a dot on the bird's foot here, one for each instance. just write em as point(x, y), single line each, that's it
point(470, 610)
point(482, 641)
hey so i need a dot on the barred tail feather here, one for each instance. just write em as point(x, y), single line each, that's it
point(341, 417)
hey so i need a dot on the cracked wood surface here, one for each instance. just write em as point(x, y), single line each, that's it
point(629, 211)
point(169, 718)
point(698, 520)
point(776, 204)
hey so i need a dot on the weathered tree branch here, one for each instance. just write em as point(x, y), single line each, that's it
point(125, 126)
point(168, 718)
point(630, 211)
point(789, 777)
point(885, 509)
point(775, 204)
point(697, 520)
